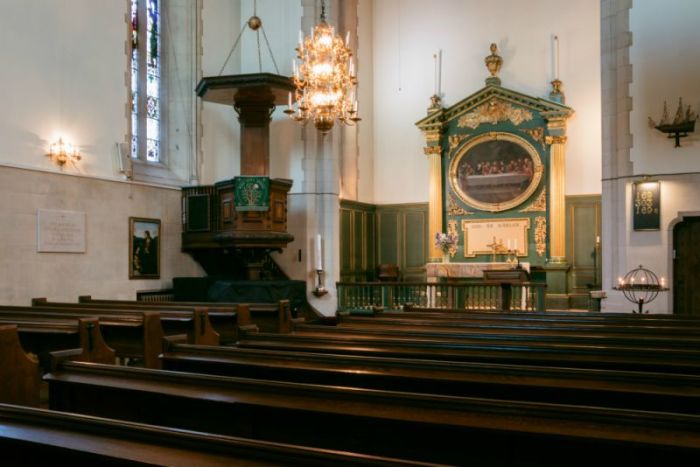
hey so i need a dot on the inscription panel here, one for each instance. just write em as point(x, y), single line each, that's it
point(60, 231)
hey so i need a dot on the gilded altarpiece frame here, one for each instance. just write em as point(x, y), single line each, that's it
point(496, 168)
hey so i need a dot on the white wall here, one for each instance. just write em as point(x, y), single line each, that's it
point(103, 270)
point(407, 33)
point(666, 65)
point(64, 73)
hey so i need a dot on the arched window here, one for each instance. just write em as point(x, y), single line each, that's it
point(164, 67)
point(145, 80)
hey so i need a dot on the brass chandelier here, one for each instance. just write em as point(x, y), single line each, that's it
point(325, 79)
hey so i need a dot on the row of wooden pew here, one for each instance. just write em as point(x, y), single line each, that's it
point(425, 386)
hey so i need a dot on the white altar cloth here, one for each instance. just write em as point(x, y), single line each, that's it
point(465, 270)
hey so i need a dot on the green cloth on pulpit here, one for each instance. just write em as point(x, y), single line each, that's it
point(251, 193)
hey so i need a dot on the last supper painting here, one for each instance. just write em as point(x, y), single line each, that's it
point(495, 173)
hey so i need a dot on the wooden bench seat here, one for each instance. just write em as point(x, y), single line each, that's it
point(449, 429)
point(138, 335)
point(38, 437)
point(506, 334)
point(269, 317)
point(600, 357)
point(194, 322)
point(622, 389)
point(43, 335)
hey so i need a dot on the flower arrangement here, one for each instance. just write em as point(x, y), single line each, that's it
point(447, 242)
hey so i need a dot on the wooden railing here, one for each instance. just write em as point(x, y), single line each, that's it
point(490, 296)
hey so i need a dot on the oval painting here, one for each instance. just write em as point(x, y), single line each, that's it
point(495, 171)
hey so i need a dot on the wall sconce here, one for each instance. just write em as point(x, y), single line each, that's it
point(683, 123)
point(61, 152)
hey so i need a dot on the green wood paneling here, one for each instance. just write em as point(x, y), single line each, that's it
point(582, 227)
point(393, 234)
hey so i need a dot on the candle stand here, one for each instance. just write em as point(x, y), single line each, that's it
point(640, 286)
point(320, 290)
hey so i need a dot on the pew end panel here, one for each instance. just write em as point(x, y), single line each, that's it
point(19, 373)
point(204, 333)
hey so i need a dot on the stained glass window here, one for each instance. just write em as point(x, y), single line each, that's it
point(145, 80)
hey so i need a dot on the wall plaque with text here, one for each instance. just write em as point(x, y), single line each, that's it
point(646, 206)
point(60, 231)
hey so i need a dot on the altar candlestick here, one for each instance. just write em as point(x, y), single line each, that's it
point(319, 258)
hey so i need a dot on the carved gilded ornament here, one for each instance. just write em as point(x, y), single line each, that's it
point(428, 150)
point(452, 229)
point(540, 235)
point(454, 140)
point(454, 209)
point(561, 139)
point(431, 136)
point(492, 112)
point(540, 203)
point(535, 133)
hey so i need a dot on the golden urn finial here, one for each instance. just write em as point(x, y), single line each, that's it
point(493, 63)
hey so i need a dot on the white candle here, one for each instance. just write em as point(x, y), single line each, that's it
point(289, 100)
point(347, 39)
point(597, 238)
point(515, 244)
point(319, 258)
point(439, 81)
point(663, 282)
point(301, 41)
point(619, 280)
point(556, 57)
point(435, 78)
point(509, 244)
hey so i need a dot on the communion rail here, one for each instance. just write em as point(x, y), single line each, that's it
point(495, 296)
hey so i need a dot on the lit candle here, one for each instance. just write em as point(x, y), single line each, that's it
point(301, 41)
point(632, 280)
point(347, 39)
point(619, 281)
point(289, 100)
point(294, 68)
point(663, 282)
point(597, 238)
point(319, 258)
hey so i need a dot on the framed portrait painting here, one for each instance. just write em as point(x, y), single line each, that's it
point(144, 248)
point(495, 171)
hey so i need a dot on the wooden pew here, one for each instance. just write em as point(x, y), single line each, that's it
point(523, 324)
point(597, 357)
point(20, 373)
point(449, 429)
point(192, 321)
point(621, 389)
point(132, 336)
point(504, 334)
point(269, 317)
point(37, 437)
point(555, 316)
